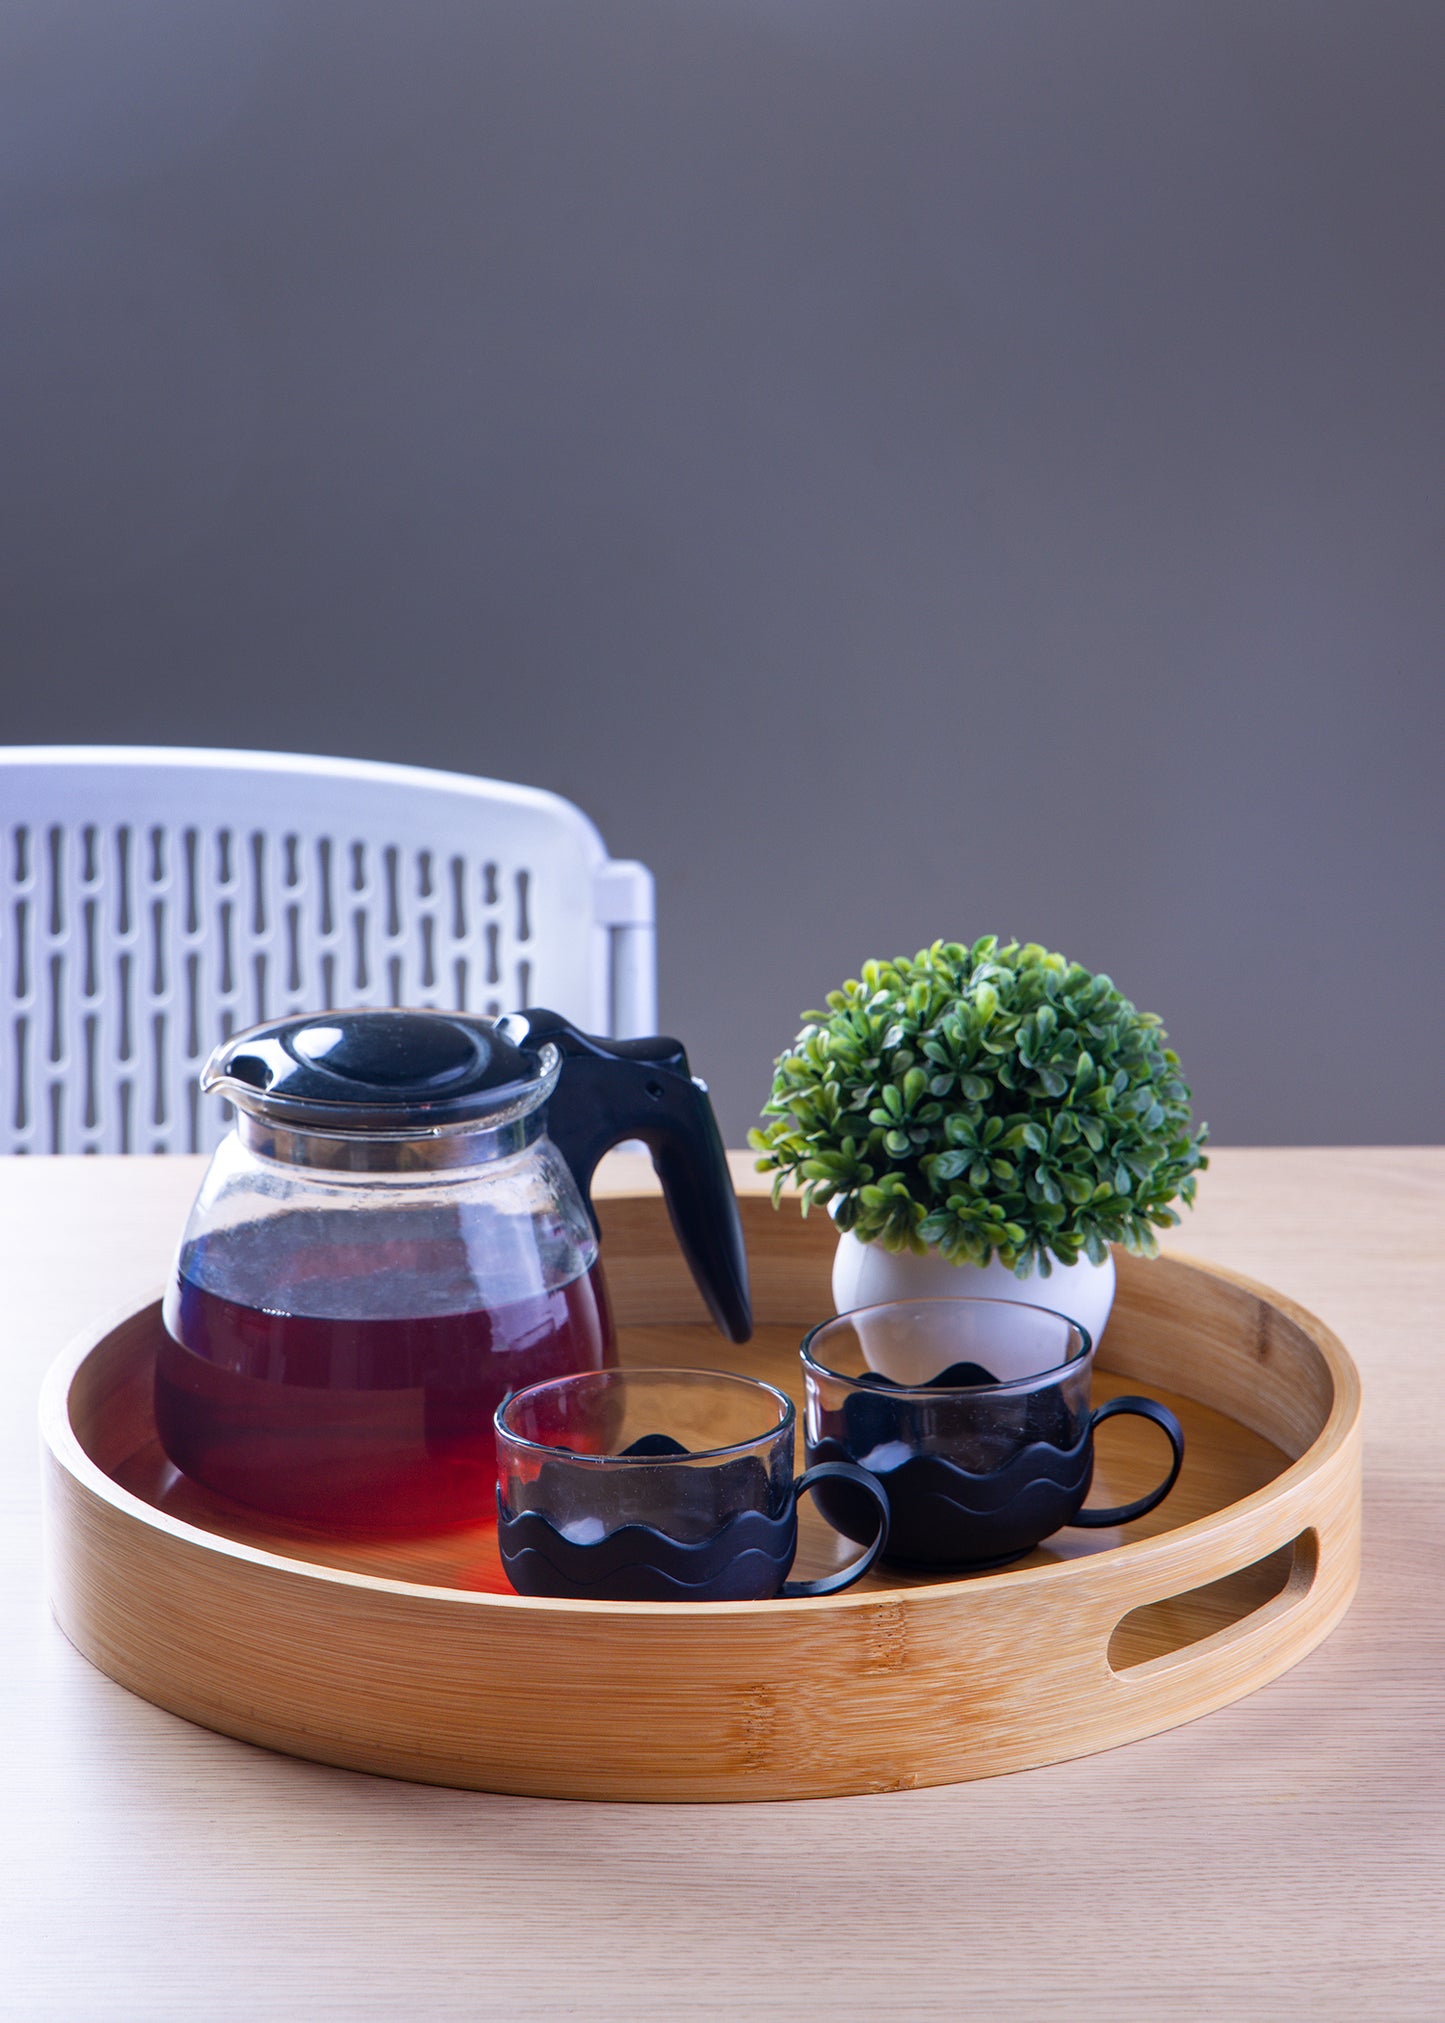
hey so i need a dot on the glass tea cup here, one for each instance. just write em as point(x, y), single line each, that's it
point(975, 1416)
point(662, 1485)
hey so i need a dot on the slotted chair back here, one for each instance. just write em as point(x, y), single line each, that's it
point(153, 901)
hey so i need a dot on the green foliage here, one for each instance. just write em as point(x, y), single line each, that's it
point(985, 1100)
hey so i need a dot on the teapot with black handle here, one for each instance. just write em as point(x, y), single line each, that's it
point(397, 1233)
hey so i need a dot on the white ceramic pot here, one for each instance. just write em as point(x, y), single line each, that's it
point(865, 1274)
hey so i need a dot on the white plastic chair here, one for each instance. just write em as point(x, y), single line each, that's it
point(153, 901)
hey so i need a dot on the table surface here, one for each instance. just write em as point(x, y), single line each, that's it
point(1283, 1858)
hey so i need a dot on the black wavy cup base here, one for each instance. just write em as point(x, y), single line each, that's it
point(747, 1557)
point(943, 1517)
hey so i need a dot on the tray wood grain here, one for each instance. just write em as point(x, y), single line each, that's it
point(414, 1659)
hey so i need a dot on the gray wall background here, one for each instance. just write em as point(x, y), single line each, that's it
point(905, 469)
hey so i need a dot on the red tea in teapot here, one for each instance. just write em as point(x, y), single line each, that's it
point(371, 1422)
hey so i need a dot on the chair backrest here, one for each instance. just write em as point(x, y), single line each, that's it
point(153, 901)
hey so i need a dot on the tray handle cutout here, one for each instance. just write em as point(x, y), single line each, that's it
point(1202, 1622)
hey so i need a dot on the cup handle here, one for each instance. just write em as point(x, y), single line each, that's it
point(833, 1583)
point(1142, 1408)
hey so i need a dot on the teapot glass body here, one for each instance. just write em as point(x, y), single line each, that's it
point(345, 1315)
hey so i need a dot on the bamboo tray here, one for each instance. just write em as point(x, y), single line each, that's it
point(416, 1660)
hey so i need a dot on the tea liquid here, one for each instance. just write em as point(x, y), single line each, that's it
point(376, 1423)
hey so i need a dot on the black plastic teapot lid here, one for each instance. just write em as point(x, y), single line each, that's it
point(384, 1070)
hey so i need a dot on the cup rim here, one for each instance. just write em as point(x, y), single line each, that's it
point(1030, 1383)
point(786, 1425)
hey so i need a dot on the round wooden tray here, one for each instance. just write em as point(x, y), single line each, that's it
point(415, 1660)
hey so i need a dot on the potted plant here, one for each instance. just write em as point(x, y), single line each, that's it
point(985, 1120)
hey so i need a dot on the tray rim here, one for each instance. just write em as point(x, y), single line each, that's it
point(1131, 1558)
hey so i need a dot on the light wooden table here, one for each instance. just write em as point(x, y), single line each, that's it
point(1284, 1858)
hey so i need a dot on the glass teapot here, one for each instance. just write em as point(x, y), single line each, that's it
point(397, 1233)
